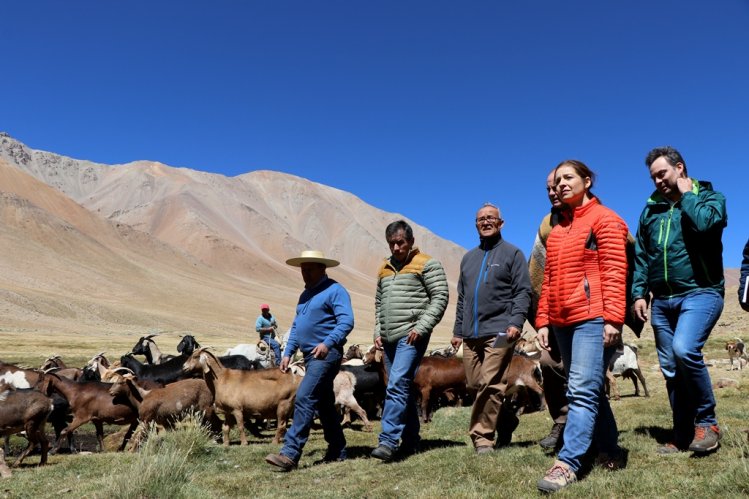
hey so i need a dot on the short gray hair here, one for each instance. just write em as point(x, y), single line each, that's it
point(491, 205)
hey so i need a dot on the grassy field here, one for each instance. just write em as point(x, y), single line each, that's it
point(188, 464)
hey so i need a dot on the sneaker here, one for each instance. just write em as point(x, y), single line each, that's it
point(558, 477)
point(668, 449)
point(280, 462)
point(554, 439)
point(383, 453)
point(706, 439)
point(484, 449)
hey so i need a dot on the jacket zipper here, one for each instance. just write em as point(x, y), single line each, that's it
point(665, 250)
point(476, 297)
point(660, 232)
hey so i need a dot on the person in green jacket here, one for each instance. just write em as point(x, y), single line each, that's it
point(679, 260)
point(410, 301)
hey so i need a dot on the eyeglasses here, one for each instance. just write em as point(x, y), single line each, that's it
point(491, 220)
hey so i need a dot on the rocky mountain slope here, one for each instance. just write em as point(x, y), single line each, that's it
point(144, 246)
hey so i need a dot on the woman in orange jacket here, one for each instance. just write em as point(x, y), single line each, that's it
point(583, 302)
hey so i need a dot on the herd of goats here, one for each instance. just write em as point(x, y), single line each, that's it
point(242, 386)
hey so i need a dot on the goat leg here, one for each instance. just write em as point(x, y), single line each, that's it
point(239, 418)
point(4, 470)
point(638, 373)
point(128, 434)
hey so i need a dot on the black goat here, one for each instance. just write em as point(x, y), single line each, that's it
point(188, 344)
point(168, 372)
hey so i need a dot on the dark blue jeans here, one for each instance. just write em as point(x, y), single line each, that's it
point(274, 345)
point(316, 392)
point(400, 418)
point(585, 361)
point(682, 325)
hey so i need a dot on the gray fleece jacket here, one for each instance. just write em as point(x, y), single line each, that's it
point(494, 290)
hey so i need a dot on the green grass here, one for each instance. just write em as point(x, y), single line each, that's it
point(187, 464)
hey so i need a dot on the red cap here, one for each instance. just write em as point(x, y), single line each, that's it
point(264, 306)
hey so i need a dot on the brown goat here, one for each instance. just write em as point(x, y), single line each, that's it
point(265, 393)
point(164, 406)
point(23, 410)
point(91, 401)
point(435, 376)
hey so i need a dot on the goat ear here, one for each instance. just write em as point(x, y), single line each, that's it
point(204, 362)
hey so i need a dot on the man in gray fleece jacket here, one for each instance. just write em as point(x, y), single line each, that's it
point(494, 293)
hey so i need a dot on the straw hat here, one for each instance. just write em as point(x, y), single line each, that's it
point(312, 256)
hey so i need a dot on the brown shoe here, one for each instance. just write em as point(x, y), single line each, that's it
point(484, 449)
point(280, 462)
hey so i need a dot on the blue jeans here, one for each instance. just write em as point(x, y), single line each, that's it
point(274, 345)
point(589, 417)
point(682, 325)
point(400, 418)
point(316, 392)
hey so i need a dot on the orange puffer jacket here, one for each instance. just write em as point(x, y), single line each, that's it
point(586, 269)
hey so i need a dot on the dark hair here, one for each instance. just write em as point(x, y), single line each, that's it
point(397, 226)
point(580, 168)
point(672, 156)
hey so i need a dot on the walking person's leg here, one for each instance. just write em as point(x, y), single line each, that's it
point(664, 319)
point(699, 314)
point(401, 361)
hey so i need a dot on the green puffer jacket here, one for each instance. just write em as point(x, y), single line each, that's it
point(412, 298)
point(678, 247)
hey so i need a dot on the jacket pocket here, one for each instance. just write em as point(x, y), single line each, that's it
point(578, 300)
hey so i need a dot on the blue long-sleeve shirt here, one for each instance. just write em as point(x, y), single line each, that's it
point(262, 323)
point(323, 315)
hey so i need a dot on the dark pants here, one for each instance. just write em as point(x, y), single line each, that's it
point(555, 381)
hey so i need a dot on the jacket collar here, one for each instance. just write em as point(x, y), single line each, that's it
point(697, 185)
point(489, 243)
point(580, 211)
point(392, 262)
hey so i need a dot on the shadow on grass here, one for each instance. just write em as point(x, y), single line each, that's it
point(664, 436)
point(657, 433)
point(522, 444)
point(364, 451)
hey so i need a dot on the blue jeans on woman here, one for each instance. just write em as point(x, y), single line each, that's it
point(400, 418)
point(682, 325)
point(315, 392)
point(589, 416)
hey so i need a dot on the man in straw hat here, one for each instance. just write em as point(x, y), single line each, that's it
point(323, 320)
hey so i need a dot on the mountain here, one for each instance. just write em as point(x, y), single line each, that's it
point(144, 246)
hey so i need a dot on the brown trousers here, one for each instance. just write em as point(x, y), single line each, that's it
point(555, 382)
point(485, 366)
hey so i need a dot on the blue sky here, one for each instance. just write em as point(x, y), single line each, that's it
point(424, 108)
